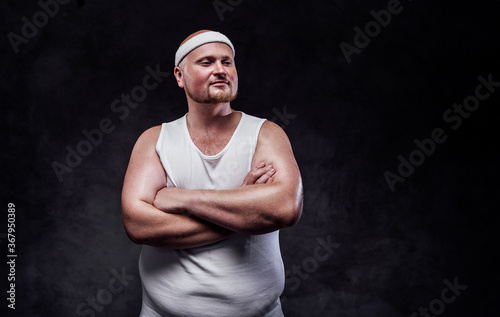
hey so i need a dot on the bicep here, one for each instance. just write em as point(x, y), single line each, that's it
point(145, 174)
point(274, 148)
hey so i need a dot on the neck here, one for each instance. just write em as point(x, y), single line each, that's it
point(208, 116)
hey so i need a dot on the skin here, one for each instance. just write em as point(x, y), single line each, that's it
point(270, 197)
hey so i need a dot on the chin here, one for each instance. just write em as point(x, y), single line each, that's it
point(217, 98)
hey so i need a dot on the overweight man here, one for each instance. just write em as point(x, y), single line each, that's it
point(207, 194)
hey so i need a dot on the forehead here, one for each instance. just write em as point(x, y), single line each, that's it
point(210, 49)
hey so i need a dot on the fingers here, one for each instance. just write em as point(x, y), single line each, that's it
point(254, 174)
point(266, 176)
point(271, 179)
point(261, 174)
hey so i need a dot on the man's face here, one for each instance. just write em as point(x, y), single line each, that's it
point(209, 74)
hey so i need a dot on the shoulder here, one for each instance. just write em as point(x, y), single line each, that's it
point(148, 138)
point(272, 138)
point(150, 134)
point(271, 130)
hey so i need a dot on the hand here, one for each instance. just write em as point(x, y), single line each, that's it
point(261, 174)
point(169, 199)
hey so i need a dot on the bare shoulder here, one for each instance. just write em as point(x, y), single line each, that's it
point(271, 132)
point(148, 139)
point(151, 135)
point(273, 146)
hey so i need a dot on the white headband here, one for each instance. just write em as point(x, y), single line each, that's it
point(199, 40)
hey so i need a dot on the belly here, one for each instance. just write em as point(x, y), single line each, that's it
point(242, 273)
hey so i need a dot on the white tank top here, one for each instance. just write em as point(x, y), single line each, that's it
point(240, 276)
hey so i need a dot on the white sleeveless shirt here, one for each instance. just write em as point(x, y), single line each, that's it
point(242, 275)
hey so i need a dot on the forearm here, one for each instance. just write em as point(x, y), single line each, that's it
point(253, 209)
point(145, 224)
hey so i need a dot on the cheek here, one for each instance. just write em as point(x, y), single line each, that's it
point(196, 78)
point(234, 74)
point(201, 79)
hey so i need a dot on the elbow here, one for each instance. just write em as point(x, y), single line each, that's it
point(290, 214)
point(132, 230)
point(134, 223)
point(291, 207)
point(132, 234)
point(134, 238)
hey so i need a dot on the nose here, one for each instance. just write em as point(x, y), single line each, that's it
point(219, 69)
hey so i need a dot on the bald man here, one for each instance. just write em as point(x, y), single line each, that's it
point(207, 194)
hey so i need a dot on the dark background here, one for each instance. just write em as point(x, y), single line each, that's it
point(350, 123)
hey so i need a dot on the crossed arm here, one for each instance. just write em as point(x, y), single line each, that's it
point(269, 199)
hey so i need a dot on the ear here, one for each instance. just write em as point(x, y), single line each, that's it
point(179, 76)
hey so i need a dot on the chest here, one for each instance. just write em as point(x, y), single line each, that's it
point(211, 144)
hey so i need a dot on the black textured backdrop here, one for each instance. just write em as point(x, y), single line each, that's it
point(390, 250)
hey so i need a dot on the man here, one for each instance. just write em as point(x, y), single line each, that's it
point(207, 194)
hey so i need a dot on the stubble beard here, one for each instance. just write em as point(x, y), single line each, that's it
point(211, 98)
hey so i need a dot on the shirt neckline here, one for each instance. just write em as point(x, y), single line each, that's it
point(224, 150)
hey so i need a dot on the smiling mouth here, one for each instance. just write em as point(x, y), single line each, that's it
point(221, 82)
